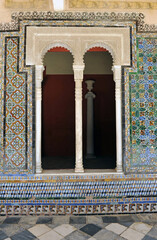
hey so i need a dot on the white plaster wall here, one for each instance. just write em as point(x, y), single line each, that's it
point(5, 13)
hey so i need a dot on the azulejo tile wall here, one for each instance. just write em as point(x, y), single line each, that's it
point(14, 109)
point(23, 192)
point(143, 107)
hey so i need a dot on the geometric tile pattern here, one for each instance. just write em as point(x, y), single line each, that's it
point(15, 112)
point(143, 107)
point(36, 206)
point(70, 195)
point(77, 189)
point(142, 227)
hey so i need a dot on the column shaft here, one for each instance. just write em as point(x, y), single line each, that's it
point(78, 77)
point(90, 127)
point(118, 98)
point(39, 77)
point(90, 119)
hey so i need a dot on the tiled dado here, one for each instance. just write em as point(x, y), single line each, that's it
point(54, 207)
point(77, 194)
point(77, 189)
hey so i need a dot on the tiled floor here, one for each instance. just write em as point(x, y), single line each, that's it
point(109, 227)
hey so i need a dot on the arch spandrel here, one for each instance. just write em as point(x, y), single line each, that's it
point(54, 45)
point(102, 45)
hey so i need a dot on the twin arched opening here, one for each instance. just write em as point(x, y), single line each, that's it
point(58, 110)
point(78, 40)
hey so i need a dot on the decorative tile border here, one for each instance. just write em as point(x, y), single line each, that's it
point(82, 207)
point(77, 189)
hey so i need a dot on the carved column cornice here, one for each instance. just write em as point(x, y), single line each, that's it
point(39, 77)
point(78, 72)
point(39, 74)
point(117, 78)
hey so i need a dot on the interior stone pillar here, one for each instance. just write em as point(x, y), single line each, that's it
point(78, 78)
point(118, 98)
point(39, 77)
point(90, 119)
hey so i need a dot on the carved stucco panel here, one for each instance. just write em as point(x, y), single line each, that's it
point(78, 41)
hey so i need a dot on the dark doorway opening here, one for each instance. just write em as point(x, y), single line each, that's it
point(104, 117)
point(58, 136)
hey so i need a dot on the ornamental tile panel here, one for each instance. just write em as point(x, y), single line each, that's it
point(143, 102)
point(15, 113)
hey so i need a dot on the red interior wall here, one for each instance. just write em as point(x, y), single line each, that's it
point(104, 115)
point(58, 137)
point(58, 130)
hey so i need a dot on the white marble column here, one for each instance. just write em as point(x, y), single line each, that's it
point(118, 98)
point(78, 78)
point(38, 80)
point(90, 119)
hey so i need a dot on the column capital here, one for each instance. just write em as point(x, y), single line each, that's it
point(39, 67)
point(39, 72)
point(116, 72)
point(78, 71)
point(90, 95)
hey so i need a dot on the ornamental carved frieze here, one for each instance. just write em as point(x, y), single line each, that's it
point(104, 4)
point(79, 16)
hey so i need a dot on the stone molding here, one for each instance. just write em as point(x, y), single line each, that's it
point(80, 16)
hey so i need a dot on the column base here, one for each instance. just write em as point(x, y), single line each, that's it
point(119, 169)
point(79, 170)
point(39, 170)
